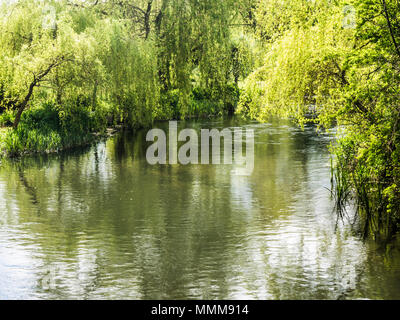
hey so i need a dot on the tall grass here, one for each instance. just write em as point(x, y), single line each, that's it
point(46, 129)
point(352, 187)
point(341, 190)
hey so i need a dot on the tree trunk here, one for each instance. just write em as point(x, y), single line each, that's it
point(36, 79)
point(389, 23)
point(147, 19)
point(22, 105)
point(18, 117)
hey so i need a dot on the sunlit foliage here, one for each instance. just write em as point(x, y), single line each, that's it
point(337, 62)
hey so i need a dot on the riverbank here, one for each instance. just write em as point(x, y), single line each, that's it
point(11, 145)
point(48, 129)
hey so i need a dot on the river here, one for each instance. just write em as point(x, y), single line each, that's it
point(101, 223)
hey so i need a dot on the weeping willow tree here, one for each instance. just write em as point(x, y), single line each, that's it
point(132, 87)
point(197, 54)
point(197, 51)
point(29, 54)
point(127, 61)
point(337, 62)
point(303, 66)
point(190, 40)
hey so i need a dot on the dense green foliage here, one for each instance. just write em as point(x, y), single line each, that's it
point(337, 62)
point(116, 62)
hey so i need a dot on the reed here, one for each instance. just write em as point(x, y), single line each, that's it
point(353, 187)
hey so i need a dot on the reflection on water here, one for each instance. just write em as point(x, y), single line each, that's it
point(102, 223)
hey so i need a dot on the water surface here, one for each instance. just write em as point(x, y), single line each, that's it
point(101, 223)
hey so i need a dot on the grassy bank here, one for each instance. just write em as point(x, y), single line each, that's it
point(3, 134)
point(46, 129)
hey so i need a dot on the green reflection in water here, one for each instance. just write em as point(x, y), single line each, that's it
point(102, 223)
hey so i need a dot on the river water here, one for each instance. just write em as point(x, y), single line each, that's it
point(101, 223)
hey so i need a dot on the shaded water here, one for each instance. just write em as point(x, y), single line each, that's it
point(102, 223)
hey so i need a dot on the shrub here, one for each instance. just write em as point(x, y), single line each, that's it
point(7, 118)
